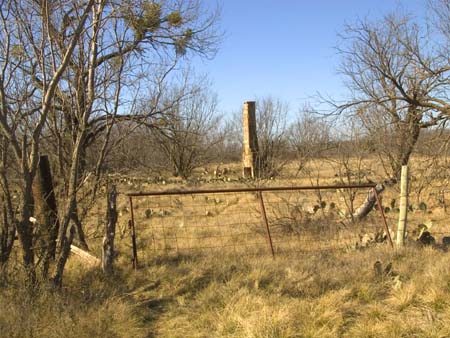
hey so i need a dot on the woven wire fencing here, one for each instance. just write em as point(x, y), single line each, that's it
point(249, 221)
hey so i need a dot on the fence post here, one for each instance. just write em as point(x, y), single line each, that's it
point(110, 231)
point(133, 234)
point(383, 217)
point(264, 218)
point(402, 219)
point(46, 211)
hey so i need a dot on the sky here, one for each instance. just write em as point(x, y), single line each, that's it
point(286, 48)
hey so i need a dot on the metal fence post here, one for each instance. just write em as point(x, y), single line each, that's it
point(383, 217)
point(264, 218)
point(133, 234)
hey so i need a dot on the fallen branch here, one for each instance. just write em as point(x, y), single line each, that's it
point(85, 256)
point(368, 204)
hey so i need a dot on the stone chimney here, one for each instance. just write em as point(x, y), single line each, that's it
point(250, 145)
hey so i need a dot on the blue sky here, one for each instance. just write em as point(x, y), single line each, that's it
point(285, 48)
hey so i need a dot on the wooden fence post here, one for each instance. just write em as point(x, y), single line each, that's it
point(46, 212)
point(402, 219)
point(110, 231)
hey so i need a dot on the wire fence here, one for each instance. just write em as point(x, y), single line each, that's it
point(250, 221)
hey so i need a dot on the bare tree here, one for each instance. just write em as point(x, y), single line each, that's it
point(349, 161)
point(309, 137)
point(26, 46)
point(271, 124)
point(229, 148)
point(189, 133)
point(161, 32)
point(398, 81)
point(137, 42)
point(65, 68)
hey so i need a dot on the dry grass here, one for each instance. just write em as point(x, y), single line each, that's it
point(321, 294)
point(88, 306)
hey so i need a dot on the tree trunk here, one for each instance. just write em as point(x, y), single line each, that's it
point(408, 141)
point(64, 255)
point(8, 226)
point(7, 235)
point(25, 229)
point(64, 241)
point(80, 232)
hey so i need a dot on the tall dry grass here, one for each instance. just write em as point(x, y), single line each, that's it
point(322, 294)
point(88, 306)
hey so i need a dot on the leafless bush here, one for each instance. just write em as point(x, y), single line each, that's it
point(309, 137)
point(348, 161)
point(189, 133)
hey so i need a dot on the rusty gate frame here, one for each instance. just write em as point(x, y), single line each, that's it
point(259, 191)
